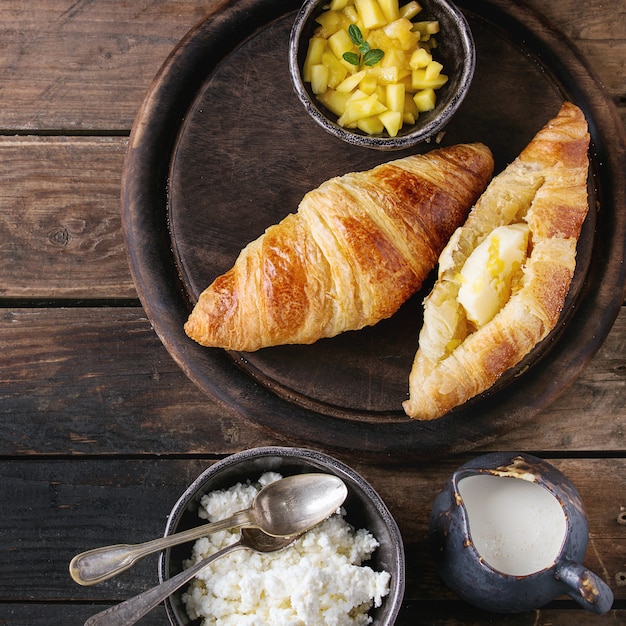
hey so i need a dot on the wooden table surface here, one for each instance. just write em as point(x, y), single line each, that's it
point(101, 431)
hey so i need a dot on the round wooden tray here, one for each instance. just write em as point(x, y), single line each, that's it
point(222, 148)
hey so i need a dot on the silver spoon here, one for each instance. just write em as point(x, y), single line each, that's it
point(285, 507)
point(130, 611)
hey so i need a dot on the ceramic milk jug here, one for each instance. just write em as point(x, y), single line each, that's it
point(509, 533)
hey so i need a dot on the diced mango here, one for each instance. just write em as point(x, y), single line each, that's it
point(395, 57)
point(371, 13)
point(425, 100)
point(419, 80)
point(334, 101)
point(351, 82)
point(336, 70)
point(316, 48)
point(420, 59)
point(371, 125)
point(368, 84)
point(395, 97)
point(331, 22)
point(426, 28)
point(352, 15)
point(432, 70)
point(340, 43)
point(401, 29)
point(410, 109)
point(360, 108)
point(392, 121)
point(387, 75)
point(338, 5)
point(410, 10)
point(390, 9)
point(319, 78)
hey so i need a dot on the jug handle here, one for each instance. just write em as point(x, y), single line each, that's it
point(590, 591)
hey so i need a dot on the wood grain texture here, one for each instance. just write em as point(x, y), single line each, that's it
point(100, 430)
point(60, 220)
point(70, 392)
point(86, 495)
point(85, 65)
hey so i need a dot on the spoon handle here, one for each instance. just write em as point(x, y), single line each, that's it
point(133, 609)
point(99, 564)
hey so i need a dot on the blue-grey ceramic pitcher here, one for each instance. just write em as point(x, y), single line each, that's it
point(466, 571)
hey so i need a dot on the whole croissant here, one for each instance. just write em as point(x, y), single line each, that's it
point(358, 247)
point(546, 189)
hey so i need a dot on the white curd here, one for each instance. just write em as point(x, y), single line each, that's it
point(317, 581)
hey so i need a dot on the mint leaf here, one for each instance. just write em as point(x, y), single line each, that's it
point(355, 34)
point(352, 57)
point(371, 57)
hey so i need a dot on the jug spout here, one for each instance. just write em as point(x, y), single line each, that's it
point(590, 591)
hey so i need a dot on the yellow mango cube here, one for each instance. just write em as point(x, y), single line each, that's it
point(410, 10)
point(352, 15)
point(395, 97)
point(433, 70)
point(319, 78)
point(430, 27)
point(314, 53)
point(425, 100)
point(336, 70)
point(360, 108)
point(340, 43)
point(334, 101)
point(396, 57)
point(420, 59)
point(371, 125)
point(410, 108)
point(351, 82)
point(338, 5)
point(392, 121)
point(390, 9)
point(368, 84)
point(371, 14)
point(331, 22)
point(419, 80)
point(401, 29)
point(388, 75)
point(378, 39)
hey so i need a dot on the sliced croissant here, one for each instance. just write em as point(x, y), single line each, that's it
point(545, 191)
point(358, 247)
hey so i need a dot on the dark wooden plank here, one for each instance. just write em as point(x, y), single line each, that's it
point(86, 65)
point(98, 380)
point(60, 217)
point(64, 613)
point(66, 390)
point(72, 506)
point(413, 613)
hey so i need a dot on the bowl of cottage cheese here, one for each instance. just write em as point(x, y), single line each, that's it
point(347, 571)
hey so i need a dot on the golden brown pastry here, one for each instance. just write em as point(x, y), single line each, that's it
point(357, 248)
point(500, 292)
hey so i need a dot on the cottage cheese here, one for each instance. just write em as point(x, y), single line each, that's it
point(317, 581)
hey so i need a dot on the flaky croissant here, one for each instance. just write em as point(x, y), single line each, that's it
point(545, 192)
point(357, 248)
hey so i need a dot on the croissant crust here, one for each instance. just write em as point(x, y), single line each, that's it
point(546, 187)
point(357, 248)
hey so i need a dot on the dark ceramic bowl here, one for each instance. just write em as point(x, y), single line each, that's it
point(364, 509)
point(456, 52)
